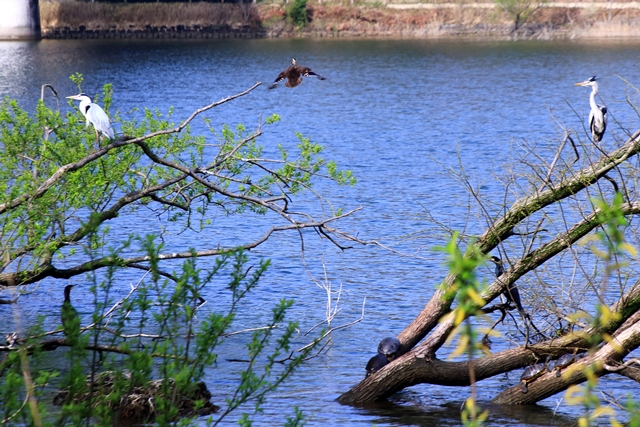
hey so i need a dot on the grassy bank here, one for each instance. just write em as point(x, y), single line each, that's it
point(331, 20)
point(125, 15)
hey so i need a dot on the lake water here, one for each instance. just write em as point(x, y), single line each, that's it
point(395, 112)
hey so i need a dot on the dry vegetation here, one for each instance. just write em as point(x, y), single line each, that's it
point(342, 20)
point(409, 22)
point(124, 16)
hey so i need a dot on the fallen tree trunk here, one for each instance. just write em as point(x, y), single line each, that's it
point(421, 340)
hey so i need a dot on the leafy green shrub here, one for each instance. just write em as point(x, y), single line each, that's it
point(298, 13)
point(61, 187)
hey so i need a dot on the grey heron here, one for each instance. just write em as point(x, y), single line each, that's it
point(598, 114)
point(94, 115)
point(294, 75)
point(512, 294)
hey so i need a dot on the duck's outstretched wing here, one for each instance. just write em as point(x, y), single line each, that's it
point(294, 75)
point(308, 72)
point(283, 75)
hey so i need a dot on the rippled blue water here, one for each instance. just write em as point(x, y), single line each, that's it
point(397, 113)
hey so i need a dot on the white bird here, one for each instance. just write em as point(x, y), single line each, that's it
point(94, 115)
point(598, 114)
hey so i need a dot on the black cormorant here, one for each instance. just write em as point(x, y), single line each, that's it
point(69, 317)
point(390, 347)
point(376, 363)
point(512, 294)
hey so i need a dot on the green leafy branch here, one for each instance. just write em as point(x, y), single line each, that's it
point(59, 190)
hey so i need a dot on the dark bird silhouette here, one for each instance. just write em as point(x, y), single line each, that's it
point(511, 294)
point(376, 363)
point(390, 348)
point(499, 267)
point(294, 75)
point(70, 318)
point(598, 113)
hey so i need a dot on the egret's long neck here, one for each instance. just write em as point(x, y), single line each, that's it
point(84, 104)
point(592, 98)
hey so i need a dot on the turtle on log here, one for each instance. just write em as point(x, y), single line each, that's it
point(530, 374)
point(564, 361)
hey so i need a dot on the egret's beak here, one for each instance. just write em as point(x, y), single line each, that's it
point(582, 84)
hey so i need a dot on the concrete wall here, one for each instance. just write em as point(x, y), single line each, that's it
point(19, 19)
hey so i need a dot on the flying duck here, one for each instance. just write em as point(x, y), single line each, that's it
point(294, 75)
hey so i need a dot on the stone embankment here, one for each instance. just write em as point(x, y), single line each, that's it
point(550, 20)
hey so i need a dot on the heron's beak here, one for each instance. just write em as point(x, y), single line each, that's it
point(72, 97)
point(581, 84)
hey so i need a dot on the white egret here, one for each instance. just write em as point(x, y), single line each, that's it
point(294, 75)
point(598, 114)
point(94, 115)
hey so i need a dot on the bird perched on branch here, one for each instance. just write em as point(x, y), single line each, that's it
point(94, 115)
point(294, 75)
point(598, 114)
point(390, 348)
point(511, 294)
point(376, 363)
point(70, 318)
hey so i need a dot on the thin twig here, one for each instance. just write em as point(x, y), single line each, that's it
point(346, 325)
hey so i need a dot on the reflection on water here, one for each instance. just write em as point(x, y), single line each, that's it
point(397, 113)
point(397, 412)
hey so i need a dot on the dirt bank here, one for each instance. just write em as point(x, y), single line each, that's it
point(205, 20)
